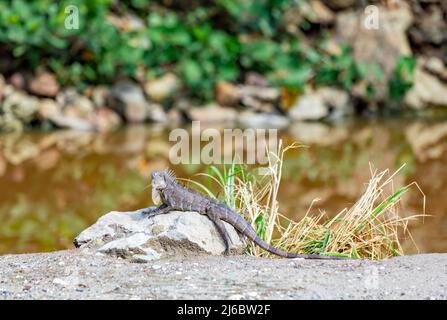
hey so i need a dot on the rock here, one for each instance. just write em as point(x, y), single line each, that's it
point(76, 111)
point(256, 79)
point(174, 116)
point(262, 120)
point(155, 112)
point(436, 66)
point(337, 101)
point(132, 235)
point(162, 88)
point(128, 100)
point(351, 27)
point(227, 94)
point(106, 119)
point(309, 107)
point(44, 84)
point(48, 108)
point(22, 105)
point(261, 93)
point(75, 104)
point(17, 80)
point(9, 123)
point(18, 109)
point(427, 26)
point(99, 96)
point(126, 23)
point(72, 123)
point(262, 99)
point(427, 90)
point(317, 12)
point(212, 113)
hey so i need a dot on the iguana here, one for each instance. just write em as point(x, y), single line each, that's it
point(171, 195)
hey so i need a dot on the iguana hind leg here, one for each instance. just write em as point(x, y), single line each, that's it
point(222, 230)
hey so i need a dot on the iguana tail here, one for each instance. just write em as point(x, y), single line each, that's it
point(247, 230)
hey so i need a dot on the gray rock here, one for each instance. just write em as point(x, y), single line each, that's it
point(132, 235)
point(128, 99)
point(75, 104)
point(155, 112)
point(259, 98)
point(21, 105)
point(18, 109)
point(99, 95)
point(427, 90)
point(338, 102)
point(48, 108)
point(44, 84)
point(227, 94)
point(381, 46)
point(317, 12)
point(162, 88)
point(309, 107)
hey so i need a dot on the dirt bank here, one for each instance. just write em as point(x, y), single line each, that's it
point(79, 274)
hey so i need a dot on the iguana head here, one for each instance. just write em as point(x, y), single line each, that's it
point(160, 180)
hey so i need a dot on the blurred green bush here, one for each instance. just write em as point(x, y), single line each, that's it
point(201, 41)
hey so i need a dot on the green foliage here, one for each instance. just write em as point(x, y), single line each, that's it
point(203, 43)
point(402, 79)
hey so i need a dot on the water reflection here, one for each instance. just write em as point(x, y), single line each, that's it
point(55, 184)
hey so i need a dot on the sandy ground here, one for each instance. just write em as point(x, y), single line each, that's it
point(79, 274)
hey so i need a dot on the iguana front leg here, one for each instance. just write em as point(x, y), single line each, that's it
point(221, 228)
point(151, 212)
point(165, 207)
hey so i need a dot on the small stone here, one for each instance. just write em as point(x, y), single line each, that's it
point(162, 88)
point(44, 84)
point(156, 113)
point(317, 12)
point(259, 98)
point(48, 108)
point(17, 80)
point(128, 100)
point(106, 119)
point(99, 96)
point(309, 107)
point(60, 282)
point(227, 94)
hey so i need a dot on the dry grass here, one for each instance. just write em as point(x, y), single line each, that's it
point(372, 228)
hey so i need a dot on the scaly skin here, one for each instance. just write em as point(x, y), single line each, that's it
point(171, 195)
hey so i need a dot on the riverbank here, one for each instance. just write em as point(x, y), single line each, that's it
point(305, 64)
point(82, 274)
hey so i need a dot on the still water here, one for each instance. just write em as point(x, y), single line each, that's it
point(53, 185)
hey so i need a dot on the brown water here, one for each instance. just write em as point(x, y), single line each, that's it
point(53, 185)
